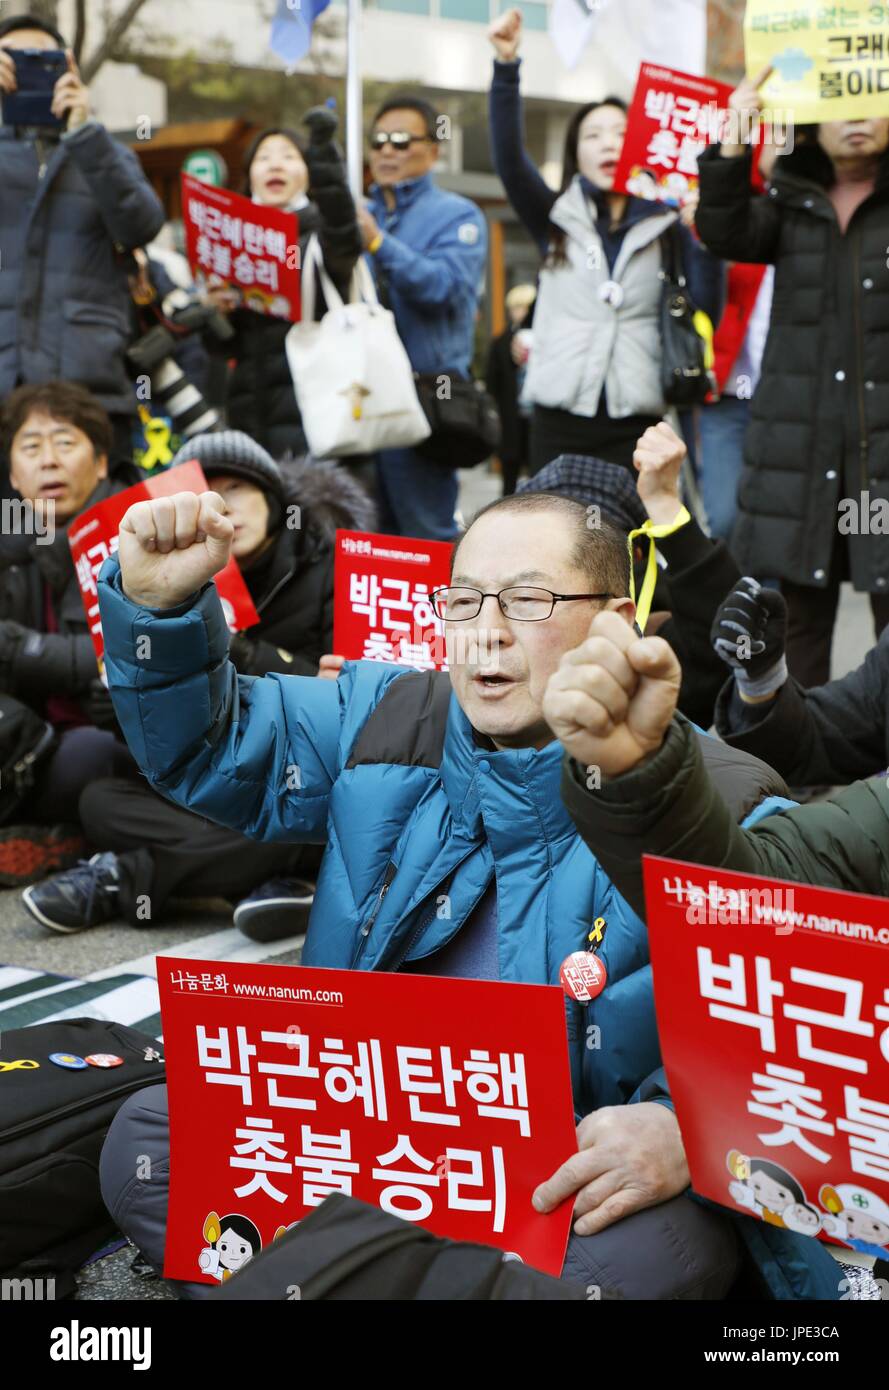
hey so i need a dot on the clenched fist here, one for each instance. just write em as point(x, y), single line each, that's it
point(506, 35)
point(658, 460)
point(612, 698)
point(171, 546)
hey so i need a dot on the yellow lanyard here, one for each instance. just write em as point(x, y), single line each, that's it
point(654, 533)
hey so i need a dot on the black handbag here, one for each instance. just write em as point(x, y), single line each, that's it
point(53, 1124)
point(685, 380)
point(26, 741)
point(348, 1251)
point(463, 418)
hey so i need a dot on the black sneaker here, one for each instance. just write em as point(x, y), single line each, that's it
point(277, 909)
point(82, 897)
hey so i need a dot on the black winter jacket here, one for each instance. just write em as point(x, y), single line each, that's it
point(261, 401)
point(670, 806)
point(65, 309)
point(36, 664)
point(830, 735)
point(292, 584)
point(700, 572)
point(819, 428)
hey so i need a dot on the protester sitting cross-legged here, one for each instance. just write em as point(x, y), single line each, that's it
point(431, 789)
point(58, 440)
point(613, 702)
point(151, 850)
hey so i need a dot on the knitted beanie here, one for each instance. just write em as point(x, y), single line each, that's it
point(235, 453)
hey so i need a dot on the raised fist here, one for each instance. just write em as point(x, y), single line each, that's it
point(506, 34)
point(322, 122)
point(171, 546)
point(611, 700)
point(657, 459)
point(749, 631)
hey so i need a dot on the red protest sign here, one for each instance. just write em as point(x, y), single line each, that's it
point(773, 1015)
point(424, 1096)
point(93, 536)
point(672, 118)
point(232, 241)
point(381, 608)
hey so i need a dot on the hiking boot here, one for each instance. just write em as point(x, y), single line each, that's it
point(276, 909)
point(82, 897)
point(30, 852)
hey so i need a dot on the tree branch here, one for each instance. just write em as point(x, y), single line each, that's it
point(113, 35)
point(79, 30)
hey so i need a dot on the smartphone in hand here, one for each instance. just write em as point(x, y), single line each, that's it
point(37, 70)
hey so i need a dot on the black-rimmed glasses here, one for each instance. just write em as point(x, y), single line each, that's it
point(520, 603)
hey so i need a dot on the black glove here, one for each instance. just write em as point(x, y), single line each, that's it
point(749, 633)
point(322, 123)
point(99, 709)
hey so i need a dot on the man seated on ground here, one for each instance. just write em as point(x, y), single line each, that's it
point(432, 792)
point(151, 850)
point(612, 702)
point(58, 439)
point(828, 735)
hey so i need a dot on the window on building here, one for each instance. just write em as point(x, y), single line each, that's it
point(478, 11)
point(405, 6)
point(534, 15)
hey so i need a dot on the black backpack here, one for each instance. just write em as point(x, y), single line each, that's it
point(348, 1250)
point(25, 740)
point(53, 1122)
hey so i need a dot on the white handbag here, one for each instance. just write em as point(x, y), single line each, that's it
point(352, 377)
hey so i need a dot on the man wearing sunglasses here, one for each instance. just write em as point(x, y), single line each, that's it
point(448, 848)
point(427, 250)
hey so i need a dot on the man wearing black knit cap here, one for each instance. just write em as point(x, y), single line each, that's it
point(152, 850)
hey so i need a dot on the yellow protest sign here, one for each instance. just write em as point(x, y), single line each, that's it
point(831, 62)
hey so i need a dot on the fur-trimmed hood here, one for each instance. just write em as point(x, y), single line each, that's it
point(329, 496)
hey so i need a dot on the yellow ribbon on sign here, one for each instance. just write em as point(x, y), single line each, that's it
point(654, 533)
point(157, 437)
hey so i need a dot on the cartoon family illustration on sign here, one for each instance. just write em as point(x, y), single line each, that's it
point(850, 1214)
point(232, 1241)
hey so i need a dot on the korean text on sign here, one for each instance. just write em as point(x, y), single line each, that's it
point(776, 1043)
point(385, 1087)
point(383, 599)
point(235, 242)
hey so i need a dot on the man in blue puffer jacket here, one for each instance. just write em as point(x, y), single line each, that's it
point(73, 200)
point(430, 789)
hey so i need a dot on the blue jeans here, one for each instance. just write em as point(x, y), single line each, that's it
point(723, 426)
point(417, 498)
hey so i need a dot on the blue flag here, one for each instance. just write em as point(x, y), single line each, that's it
point(292, 28)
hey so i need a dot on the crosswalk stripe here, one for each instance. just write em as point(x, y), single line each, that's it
point(227, 945)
